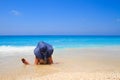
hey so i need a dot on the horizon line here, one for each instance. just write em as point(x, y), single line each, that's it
point(60, 35)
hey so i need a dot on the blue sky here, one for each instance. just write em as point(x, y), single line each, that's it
point(59, 17)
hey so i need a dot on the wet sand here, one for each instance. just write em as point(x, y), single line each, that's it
point(102, 63)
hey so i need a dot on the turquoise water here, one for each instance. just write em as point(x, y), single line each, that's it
point(59, 41)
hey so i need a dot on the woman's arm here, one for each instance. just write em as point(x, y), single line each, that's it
point(50, 60)
point(36, 61)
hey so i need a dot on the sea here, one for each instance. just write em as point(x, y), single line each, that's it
point(15, 44)
point(59, 41)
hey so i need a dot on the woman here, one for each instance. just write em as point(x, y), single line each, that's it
point(43, 54)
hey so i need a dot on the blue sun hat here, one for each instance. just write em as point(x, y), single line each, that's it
point(43, 50)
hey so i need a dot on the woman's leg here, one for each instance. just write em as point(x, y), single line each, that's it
point(24, 61)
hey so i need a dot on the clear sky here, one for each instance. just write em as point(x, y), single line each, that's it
point(59, 17)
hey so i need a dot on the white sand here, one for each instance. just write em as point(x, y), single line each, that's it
point(76, 76)
point(70, 64)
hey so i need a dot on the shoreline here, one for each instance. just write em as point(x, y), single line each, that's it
point(75, 47)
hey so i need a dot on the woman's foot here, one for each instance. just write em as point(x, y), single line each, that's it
point(24, 61)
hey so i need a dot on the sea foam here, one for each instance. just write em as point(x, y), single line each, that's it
point(13, 50)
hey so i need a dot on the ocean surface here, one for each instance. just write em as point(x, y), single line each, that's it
point(15, 45)
point(60, 41)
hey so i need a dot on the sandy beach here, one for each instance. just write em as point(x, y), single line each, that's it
point(101, 63)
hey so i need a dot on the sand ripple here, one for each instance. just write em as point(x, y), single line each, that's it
point(75, 76)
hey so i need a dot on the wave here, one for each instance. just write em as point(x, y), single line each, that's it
point(28, 50)
point(16, 50)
